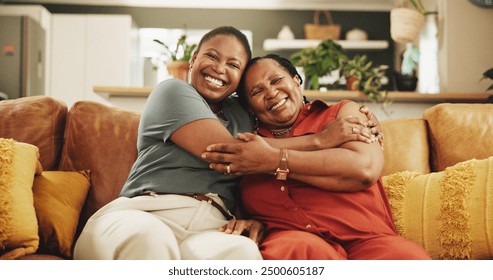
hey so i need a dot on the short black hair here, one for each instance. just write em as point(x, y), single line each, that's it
point(228, 31)
point(282, 61)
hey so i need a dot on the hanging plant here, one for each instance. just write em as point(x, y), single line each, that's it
point(406, 22)
point(418, 5)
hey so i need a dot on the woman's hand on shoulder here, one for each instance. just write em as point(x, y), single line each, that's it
point(373, 124)
point(253, 229)
point(351, 128)
point(342, 130)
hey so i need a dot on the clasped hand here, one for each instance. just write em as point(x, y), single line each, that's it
point(255, 156)
point(243, 158)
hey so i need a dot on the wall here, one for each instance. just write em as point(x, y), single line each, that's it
point(263, 23)
point(465, 37)
point(465, 45)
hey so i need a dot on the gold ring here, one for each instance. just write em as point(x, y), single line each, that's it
point(228, 169)
point(354, 130)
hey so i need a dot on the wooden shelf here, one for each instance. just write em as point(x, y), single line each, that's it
point(276, 44)
point(401, 96)
point(330, 95)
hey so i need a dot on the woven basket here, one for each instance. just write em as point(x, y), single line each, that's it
point(405, 24)
point(319, 31)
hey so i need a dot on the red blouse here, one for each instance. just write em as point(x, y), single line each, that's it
point(291, 204)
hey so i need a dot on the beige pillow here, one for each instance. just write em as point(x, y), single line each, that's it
point(18, 224)
point(449, 213)
point(459, 132)
point(402, 136)
point(58, 200)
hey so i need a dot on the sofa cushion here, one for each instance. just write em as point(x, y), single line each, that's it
point(18, 224)
point(449, 213)
point(103, 140)
point(58, 200)
point(459, 132)
point(42, 120)
point(405, 146)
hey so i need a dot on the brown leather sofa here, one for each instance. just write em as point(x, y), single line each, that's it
point(95, 137)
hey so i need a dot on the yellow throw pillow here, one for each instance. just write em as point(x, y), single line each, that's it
point(18, 224)
point(449, 213)
point(58, 200)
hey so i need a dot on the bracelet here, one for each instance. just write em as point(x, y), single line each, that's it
point(282, 171)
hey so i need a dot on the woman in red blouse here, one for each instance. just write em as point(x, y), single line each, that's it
point(324, 204)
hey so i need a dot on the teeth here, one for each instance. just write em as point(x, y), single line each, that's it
point(217, 82)
point(279, 104)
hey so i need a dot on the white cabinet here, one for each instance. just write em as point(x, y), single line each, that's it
point(89, 50)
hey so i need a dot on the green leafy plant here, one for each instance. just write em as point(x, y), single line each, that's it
point(488, 74)
point(319, 61)
point(410, 59)
point(329, 56)
point(418, 5)
point(182, 51)
point(406, 79)
point(357, 67)
point(366, 77)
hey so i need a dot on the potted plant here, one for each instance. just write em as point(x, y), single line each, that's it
point(178, 58)
point(354, 71)
point(361, 75)
point(329, 57)
point(406, 79)
point(326, 57)
point(406, 23)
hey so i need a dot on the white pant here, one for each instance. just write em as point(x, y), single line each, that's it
point(161, 227)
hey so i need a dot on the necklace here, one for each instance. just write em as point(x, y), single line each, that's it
point(282, 132)
point(220, 112)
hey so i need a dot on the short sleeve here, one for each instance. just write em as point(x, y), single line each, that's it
point(172, 104)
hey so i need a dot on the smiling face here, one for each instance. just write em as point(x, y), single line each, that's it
point(217, 67)
point(272, 94)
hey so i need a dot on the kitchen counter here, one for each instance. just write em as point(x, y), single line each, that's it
point(109, 91)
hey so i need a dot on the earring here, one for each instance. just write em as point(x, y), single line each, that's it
point(255, 122)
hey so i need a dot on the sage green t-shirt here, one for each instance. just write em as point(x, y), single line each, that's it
point(164, 167)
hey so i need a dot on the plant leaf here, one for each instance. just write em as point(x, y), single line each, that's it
point(488, 73)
